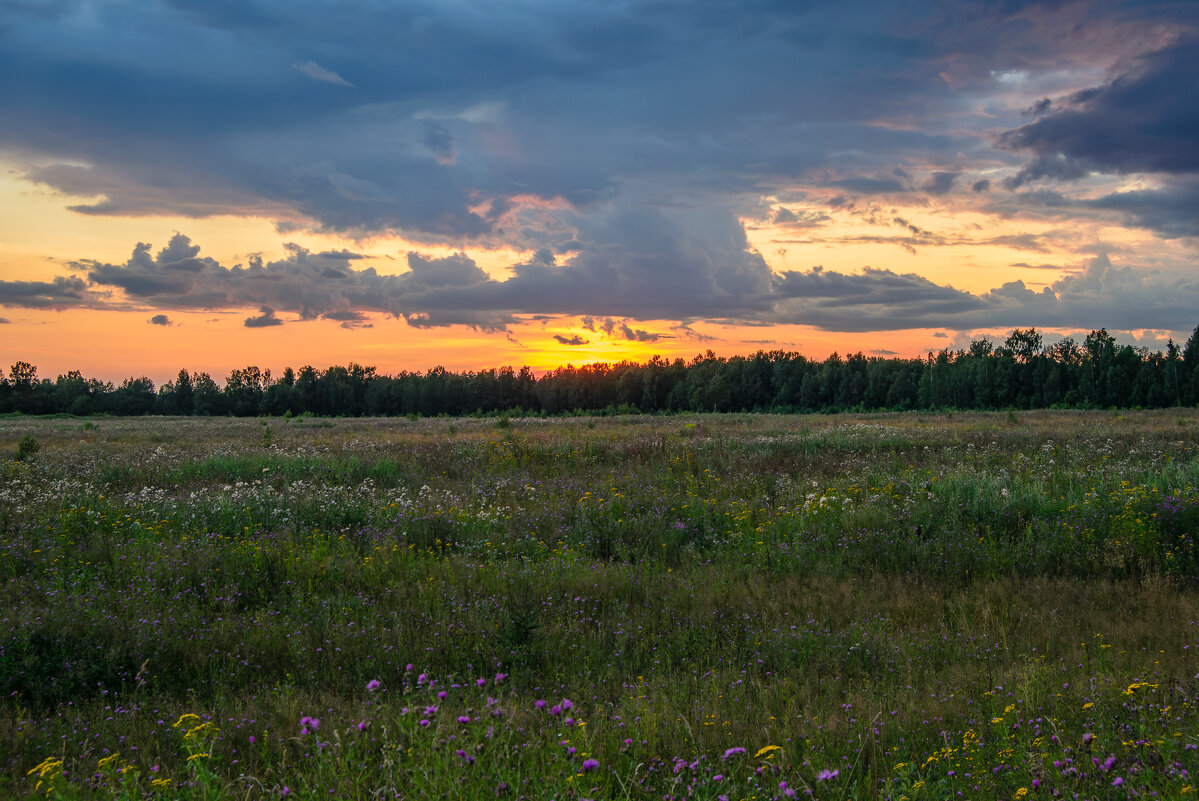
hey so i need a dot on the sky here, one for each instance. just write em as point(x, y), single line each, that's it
point(473, 183)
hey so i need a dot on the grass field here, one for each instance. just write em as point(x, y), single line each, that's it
point(744, 607)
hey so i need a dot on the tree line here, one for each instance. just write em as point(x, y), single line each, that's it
point(1021, 373)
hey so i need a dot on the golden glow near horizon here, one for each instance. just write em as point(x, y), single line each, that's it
point(969, 250)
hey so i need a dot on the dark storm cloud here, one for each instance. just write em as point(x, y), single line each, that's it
point(940, 183)
point(63, 292)
point(160, 319)
point(876, 300)
point(408, 116)
point(264, 320)
point(620, 142)
point(1172, 211)
point(349, 319)
point(1168, 210)
point(1144, 120)
point(575, 340)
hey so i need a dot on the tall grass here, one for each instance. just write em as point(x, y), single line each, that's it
point(870, 607)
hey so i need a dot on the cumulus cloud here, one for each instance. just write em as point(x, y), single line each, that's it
point(608, 288)
point(160, 319)
point(312, 285)
point(1098, 295)
point(264, 320)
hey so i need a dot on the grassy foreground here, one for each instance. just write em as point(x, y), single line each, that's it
point(882, 606)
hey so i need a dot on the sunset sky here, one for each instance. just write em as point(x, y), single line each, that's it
point(474, 183)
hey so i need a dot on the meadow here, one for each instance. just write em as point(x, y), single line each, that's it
point(981, 605)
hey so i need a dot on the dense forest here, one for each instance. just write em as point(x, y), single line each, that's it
point(1021, 374)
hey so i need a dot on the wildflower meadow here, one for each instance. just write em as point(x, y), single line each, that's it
point(886, 606)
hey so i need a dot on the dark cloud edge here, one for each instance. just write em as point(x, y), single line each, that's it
point(439, 292)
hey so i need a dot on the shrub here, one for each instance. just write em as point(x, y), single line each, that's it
point(27, 447)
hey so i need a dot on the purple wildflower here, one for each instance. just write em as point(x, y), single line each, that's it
point(732, 752)
point(481, 682)
point(826, 775)
point(1116, 782)
point(590, 764)
point(464, 719)
point(373, 685)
